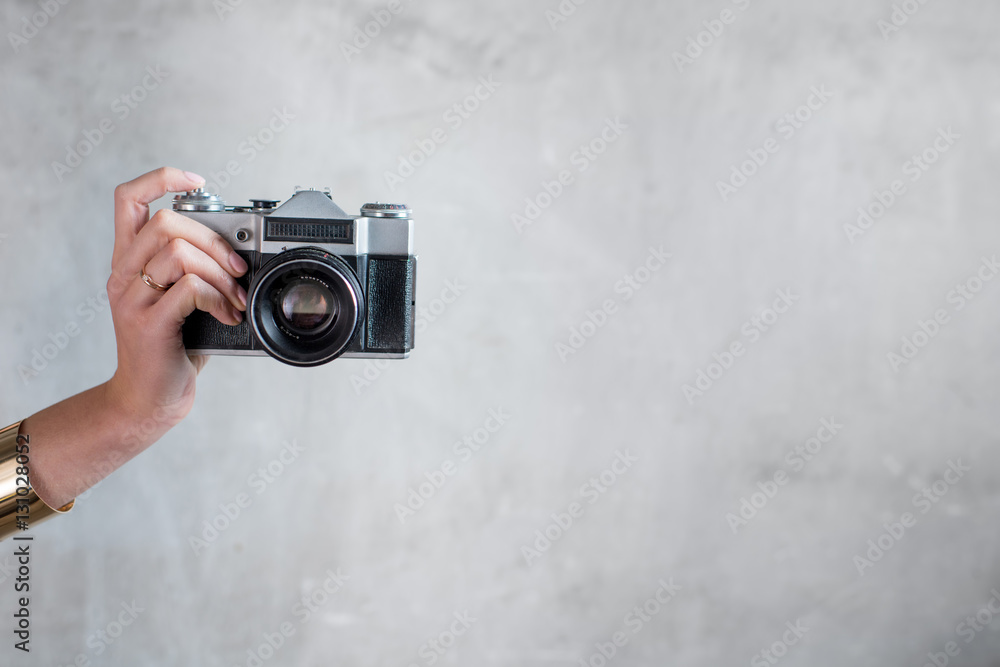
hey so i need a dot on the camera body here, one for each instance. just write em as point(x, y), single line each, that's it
point(321, 285)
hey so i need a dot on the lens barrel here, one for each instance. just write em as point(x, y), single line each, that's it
point(305, 307)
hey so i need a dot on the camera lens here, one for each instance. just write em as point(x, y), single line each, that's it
point(305, 306)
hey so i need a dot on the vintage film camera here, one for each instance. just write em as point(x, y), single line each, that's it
point(322, 284)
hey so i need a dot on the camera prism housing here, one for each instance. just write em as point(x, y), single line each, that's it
point(321, 285)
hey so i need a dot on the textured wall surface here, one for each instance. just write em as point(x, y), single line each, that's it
point(809, 481)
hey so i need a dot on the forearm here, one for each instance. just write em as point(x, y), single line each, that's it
point(81, 440)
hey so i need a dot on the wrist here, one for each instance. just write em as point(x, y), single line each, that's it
point(138, 424)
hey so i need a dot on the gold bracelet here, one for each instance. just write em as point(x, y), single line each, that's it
point(20, 506)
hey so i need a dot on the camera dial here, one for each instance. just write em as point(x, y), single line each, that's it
point(199, 200)
point(380, 210)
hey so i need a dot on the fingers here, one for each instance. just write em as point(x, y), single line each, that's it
point(189, 294)
point(132, 200)
point(167, 226)
point(179, 257)
point(163, 313)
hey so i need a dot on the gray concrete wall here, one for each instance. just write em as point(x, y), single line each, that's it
point(800, 554)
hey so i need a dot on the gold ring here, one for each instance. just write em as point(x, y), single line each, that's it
point(152, 283)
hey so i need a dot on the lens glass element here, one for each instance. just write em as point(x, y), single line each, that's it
point(307, 305)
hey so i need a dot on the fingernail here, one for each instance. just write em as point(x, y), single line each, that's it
point(237, 315)
point(237, 263)
point(194, 177)
point(241, 294)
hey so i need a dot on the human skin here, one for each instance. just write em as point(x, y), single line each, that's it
point(79, 441)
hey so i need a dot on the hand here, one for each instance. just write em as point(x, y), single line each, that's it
point(155, 376)
point(81, 440)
